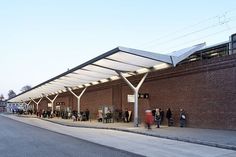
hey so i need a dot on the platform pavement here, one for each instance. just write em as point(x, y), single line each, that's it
point(217, 138)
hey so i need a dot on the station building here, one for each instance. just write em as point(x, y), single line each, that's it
point(199, 79)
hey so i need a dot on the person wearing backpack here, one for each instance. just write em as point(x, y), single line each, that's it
point(158, 118)
point(182, 118)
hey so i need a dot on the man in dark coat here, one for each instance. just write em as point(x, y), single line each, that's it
point(87, 114)
point(182, 118)
point(168, 116)
point(126, 115)
point(161, 115)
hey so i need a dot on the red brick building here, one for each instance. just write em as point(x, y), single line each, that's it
point(204, 85)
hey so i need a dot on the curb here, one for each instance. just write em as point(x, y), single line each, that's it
point(211, 144)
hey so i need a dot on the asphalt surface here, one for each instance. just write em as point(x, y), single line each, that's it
point(23, 140)
point(129, 142)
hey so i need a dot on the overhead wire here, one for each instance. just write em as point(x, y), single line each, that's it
point(179, 30)
point(204, 37)
point(218, 22)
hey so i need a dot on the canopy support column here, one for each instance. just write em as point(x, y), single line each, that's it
point(135, 90)
point(27, 104)
point(78, 97)
point(37, 103)
point(52, 101)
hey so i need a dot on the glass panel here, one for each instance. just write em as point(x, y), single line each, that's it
point(54, 85)
point(85, 77)
point(133, 59)
point(100, 70)
point(53, 88)
point(116, 65)
point(66, 83)
point(45, 89)
point(92, 73)
point(69, 80)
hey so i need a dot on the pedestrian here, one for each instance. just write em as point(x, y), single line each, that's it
point(169, 116)
point(40, 113)
point(182, 118)
point(162, 115)
point(100, 117)
point(126, 115)
point(73, 118)
point(153, 112)
point(87, 114)
point(148, 118)
point(48, 113)
point(158, 118)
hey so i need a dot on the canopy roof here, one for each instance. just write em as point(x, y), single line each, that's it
point(104, 68)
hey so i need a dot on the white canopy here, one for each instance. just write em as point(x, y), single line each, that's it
point(103, 69)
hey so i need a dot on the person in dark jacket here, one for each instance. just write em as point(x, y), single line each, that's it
point(168, 116)
point(126, 115)
point(161, 115)
point(153, 112)
point(182, 118)
point(158, 118)
point(87, 114)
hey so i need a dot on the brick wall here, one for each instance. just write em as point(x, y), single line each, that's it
point(95, 99)
point(206, 90)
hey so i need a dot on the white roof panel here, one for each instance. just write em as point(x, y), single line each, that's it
point(114, 65)
point(103, 68)
point(136, 60)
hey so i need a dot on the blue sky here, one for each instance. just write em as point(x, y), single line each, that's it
point(41, 39)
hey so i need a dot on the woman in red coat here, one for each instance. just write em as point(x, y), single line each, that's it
point(148, 118)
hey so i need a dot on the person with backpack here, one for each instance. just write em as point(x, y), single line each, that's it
point(158, 118)
point(182, 118)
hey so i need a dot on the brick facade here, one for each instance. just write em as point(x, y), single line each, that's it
point(205, 89)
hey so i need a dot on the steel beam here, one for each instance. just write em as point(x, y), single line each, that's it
point(52, 101)
point(37, 103)
point(135, 90)
point(78, 97)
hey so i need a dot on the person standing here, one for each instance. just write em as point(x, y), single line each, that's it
point(161, 115)
point(153, 112)
point(126, 115)
point(148, 118)
point(87, 114)
point(158, 118)
point(168, 116)
point(182, 118)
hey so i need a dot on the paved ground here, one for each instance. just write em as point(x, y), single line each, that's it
point(140, 144)
point(22, 140)
point(217, 138)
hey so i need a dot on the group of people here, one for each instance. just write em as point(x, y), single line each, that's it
point(48, 114)
point(22, 111)
point(157, 115)
point(83, 116)
point(44, 113)
point(117, 115)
